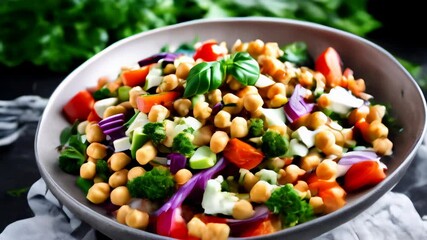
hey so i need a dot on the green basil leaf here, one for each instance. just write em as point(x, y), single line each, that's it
point(204, 77)
point(243, 68)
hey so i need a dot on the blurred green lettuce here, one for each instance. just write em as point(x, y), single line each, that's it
point(60, 34)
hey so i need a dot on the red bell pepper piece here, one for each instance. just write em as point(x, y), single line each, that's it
point(209, 51)
point(329, 64)
point(267, 226)
point(362, 175)
point(145, 102)
point(242, 154)
point(79, 107)
point(133, 78)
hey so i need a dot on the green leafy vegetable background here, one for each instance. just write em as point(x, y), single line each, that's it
point(59, 35)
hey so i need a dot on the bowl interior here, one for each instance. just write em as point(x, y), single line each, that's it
point(385, 79)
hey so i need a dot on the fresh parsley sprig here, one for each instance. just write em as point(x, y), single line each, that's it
point(208, 76)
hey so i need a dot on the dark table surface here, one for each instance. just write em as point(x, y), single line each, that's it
point(17, 161)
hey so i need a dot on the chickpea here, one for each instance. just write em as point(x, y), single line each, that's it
point(146, 153)
point(182, 106)
point(216, 231)
point(202, 110)
point(272, 49)
point(301, 186)
point(122, 212)
point(98, 179)
point(218, 141)
point(247, 90)
point(249, 180)
point(311, 160)
point(118, 161)
point(278, 101)
point(182, 176)
point(324, 139)
point(96, 150)
point(233, 104)
point(88, 170)
point(317, 204)
point(113, 110)
point(275, 89)
point(269, 65)
point(316, 120)
point(169, 82)
point(222, 119)
point(158, 113)
point(137, 219)
point(135, 172)
point(358, 114)
point(94, 133)
point(376, 112)
point(233, 84)
point(183, 69)
point(255, 48)
point(383, 146)
point(260, 192)
point(133, 95)
point(306, 78)
point(323, 101)
point(118, 178)
point(196, 227)
point(290, 174)
point(120, 196)
point(98, 193)
point(239, 46)
point(126, 105)
point(214, 97)
point(242, 209)
point(281, 129)
point(327, 170)
point(203, 135)
point(377, 130)
point(90, 159)
point(252, 102)
point(239, 127)
point(169, 69)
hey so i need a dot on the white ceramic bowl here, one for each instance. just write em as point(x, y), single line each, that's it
point(386, 79)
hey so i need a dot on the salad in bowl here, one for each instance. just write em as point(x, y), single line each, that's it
point(209, 141)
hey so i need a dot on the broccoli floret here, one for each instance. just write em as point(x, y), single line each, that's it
point(156, 185)
point(274, 144)
point(256, 127)
point(156, 131)
point(72, 154)
point(182, 143)
point(84, 184)
point(286, 202)
point(102, 170)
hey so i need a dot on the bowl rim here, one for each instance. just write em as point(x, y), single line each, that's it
point(363, 202)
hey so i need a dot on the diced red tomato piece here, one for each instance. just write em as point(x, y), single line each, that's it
point(172, 224)
point(329, 64)
point(79, 107)
point(242, 154)
point(135, 77)
point(93, 116)
point(332, 194)
point(209, 51)
point(362, 175)
point(145, 102)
